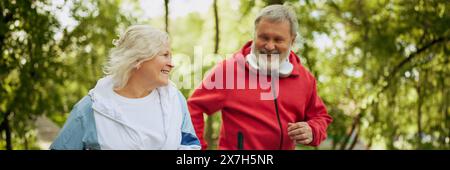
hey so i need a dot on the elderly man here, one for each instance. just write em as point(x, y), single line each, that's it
point(294, 115)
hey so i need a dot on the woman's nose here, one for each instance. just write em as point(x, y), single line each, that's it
point(170, 64)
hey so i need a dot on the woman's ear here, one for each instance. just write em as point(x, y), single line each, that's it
point(138, 64)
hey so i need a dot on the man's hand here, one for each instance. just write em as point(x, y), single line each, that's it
point(300, 132)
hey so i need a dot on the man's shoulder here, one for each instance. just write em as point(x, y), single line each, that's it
point(302, 71)
point(225, 63)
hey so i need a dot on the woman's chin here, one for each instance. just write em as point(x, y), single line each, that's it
point(164, 82)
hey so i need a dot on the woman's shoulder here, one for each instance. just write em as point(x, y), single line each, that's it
point(83, 107)
point(78, 127)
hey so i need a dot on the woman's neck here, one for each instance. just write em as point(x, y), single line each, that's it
point(135, 88)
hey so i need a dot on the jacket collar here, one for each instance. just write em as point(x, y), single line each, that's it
point(241, 56)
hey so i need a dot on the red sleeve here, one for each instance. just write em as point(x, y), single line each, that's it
point(207, 100)
point(317, 117)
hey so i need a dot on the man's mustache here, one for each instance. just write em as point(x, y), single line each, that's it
point(263, 51)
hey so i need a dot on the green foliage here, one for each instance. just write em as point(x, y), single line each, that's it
point(382, 65)
point(43, 75)
point(29, 66)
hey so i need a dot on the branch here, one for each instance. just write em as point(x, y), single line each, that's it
point(357, 119)
point(409, 58)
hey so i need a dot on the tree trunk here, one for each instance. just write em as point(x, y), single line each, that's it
point(447, 119)
point(209, 131)
point(444, 104)
point(25, 142)
point(5, 127)
point(355, 140)
point(216, 21)
point(419, 113)
point(446, 92)
point(369, 145)
point(166, 17)
point(210, 119)
point(349, 135)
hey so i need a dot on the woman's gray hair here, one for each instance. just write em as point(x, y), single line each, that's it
point(137, 44)
point(276, 13)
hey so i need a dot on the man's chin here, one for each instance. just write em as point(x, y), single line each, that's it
point(269, 70)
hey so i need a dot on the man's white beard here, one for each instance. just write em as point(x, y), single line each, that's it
point(269, 65)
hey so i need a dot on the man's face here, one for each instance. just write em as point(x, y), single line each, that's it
point(272, 40)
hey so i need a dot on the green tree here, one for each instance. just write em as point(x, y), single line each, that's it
point(45, 75)
point(382, 66)
point(29, 69)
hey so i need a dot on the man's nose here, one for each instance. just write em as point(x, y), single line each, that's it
point(270, 46)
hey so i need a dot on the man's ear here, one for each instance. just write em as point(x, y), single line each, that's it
point(293, 39)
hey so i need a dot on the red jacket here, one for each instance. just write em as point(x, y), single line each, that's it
point(243, 110)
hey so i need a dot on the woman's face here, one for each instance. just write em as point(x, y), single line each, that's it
point(157, 69)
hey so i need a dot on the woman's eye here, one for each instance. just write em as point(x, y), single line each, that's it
point(167, 55)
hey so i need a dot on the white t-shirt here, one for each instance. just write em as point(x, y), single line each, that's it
point(142, 124)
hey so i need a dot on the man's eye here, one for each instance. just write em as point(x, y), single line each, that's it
point(265, 38)
point(278, 40)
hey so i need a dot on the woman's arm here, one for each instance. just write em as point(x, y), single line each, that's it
point(71, 135)
point(189, 140)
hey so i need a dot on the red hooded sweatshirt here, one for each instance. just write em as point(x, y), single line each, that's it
point(243, 110)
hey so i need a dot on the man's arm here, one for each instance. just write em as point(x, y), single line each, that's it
point(206, 100)
point(313, 130)
point(317, 117)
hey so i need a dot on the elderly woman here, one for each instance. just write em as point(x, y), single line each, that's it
point(135, 106)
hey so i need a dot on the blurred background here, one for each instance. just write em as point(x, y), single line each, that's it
point(382, 66)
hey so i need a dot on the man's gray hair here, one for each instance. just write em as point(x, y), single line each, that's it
point(277, 13)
